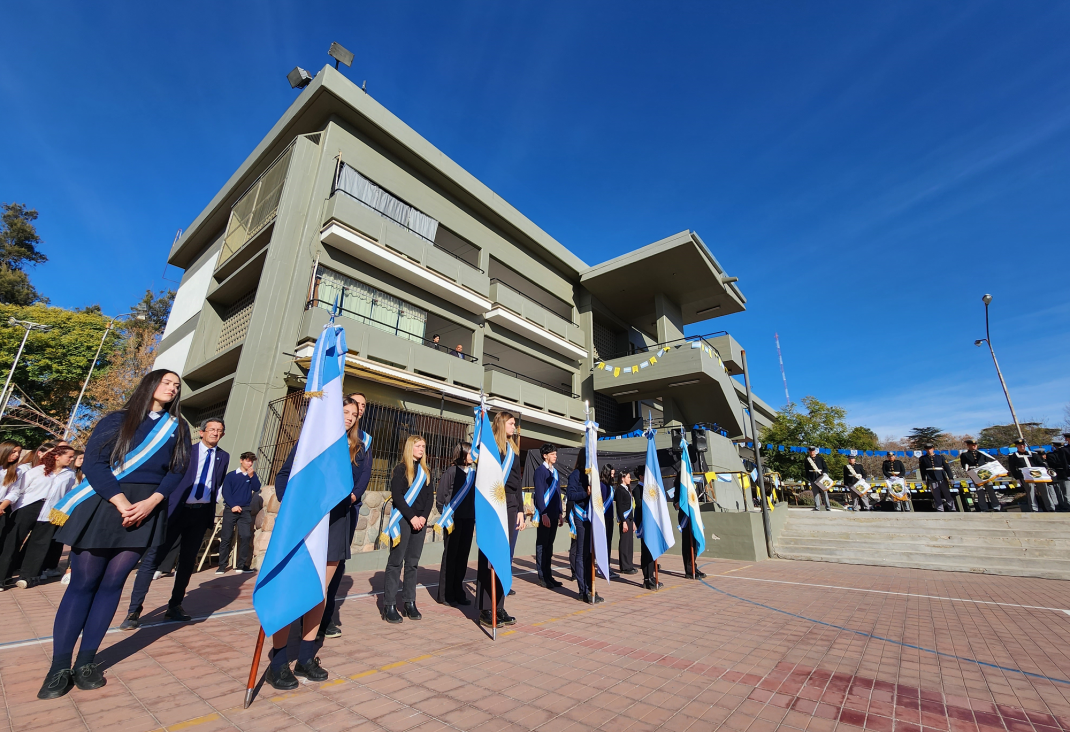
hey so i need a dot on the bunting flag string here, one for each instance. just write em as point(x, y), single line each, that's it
point(653, 360)
point(880, 453)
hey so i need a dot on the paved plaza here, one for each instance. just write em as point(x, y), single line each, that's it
point(777, 644)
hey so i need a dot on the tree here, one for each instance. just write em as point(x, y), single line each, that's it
point(18, 249)
point(156, 308)
point(921, 436)
point(1004, 435)
point(822, 425)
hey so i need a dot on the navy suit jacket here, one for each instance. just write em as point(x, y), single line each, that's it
point(182, 491)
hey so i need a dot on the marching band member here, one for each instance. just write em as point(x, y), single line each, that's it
point(412, 500)
point(973, 458)
point(1021, 460)
point(626, 518)
point(504, 428)
point(893, 469)
point(936, 472)
point(134, 459)
point(852, 474)
point(814, 468)
point(457, 543)
point(548, 516)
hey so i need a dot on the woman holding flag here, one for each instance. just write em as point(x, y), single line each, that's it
point(457, 541)
point(504, 430)
point(134, 459)
point(412, 497)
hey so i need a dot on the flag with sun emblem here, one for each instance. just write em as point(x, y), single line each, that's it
point(657, 525)
point(597, 512)
point(689, 502)
point(492, 520)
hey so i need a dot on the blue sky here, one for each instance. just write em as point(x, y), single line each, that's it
point(868, 170)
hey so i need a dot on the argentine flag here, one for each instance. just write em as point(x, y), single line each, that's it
point(293, 576)
point(598, 514)
point(492, 519)
point(689, 502)
point(657, 526)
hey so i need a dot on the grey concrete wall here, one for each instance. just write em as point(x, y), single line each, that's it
point(740, 535)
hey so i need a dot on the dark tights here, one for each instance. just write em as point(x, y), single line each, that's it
point(88, 605)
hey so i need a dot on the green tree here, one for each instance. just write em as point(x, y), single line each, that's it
point(921, 436)
point(18, 249)
point(1004, 435)
point(819, 424)
point(155, 307)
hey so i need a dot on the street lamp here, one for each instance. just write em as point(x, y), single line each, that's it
point(139, 313)
point(28, 325)
point(987, 300)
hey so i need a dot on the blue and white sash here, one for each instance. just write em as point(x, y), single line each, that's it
point(392, 531)
point(445, 521)
point(548, 494)
point(572, 525)
point(367, 440)
point(638, 526)
point(579, 512)
point(608, 504)
point(631, 508)
point(134, 459)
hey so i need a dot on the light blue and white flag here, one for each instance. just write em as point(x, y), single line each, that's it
point(689, 502)
point(492, 519)
point(597, 512)
point(657, 525)
point(293, 576)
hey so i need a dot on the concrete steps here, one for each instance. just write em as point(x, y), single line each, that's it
point(1023, 545)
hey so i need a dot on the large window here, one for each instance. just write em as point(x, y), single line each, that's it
point(368, 305)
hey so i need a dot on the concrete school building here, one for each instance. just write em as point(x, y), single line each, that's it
point(444, 289)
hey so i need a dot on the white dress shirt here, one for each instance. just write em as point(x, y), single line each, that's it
point(202, 455)
point(33, 485)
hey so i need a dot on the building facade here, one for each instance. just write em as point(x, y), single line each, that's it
point(444, 290)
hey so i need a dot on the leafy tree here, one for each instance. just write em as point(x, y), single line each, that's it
point(820, 424)
point(18, 249)
point(156, 307)
point(1004, 435)
point(920, 436)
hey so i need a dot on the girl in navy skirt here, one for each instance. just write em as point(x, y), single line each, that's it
point(116, 520)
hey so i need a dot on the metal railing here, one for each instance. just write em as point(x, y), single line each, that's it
point(529, 298)
point(256, 208)
point(393, 329)
point(558, 389)
point(658, 346)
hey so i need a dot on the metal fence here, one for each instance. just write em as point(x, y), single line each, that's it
point(388, 426)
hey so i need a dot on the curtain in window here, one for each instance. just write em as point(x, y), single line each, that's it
point(356, 185)
point(412, 322)
point(423, 224)
point(330, 287)
point(369, 305)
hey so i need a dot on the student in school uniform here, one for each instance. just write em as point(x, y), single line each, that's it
point(504, 428)
point(339, 538)
point(10, 455)
point(52, 479)
point(548, 517)
point(110, 526)
point(456, 542)
point(412, 499)
point(607, 480)
point(646, 559)
point(622, 497)
point(190, 513)
point(239, 486)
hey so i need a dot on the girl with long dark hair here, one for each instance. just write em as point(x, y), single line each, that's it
point(412, 497)
point(456, 542)
point(134, 459)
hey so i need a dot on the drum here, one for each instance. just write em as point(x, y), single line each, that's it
point(1036, 475)
point(984, 473)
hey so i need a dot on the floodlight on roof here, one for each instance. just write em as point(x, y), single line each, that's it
point(340, 54)
point(299, 78)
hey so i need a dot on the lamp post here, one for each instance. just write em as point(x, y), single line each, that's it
point(138, 313)
point(987, 299)
point(28, 325)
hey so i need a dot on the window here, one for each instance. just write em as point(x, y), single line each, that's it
point(374, 197)
point(368, 305)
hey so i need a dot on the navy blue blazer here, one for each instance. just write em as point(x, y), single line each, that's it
point(543, 479)
point(182, 491)
point(578, 483)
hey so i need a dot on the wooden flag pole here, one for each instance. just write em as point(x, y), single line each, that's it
point(254, 670)
point(493, 604)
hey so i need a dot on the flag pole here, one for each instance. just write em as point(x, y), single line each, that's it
point(590, 506)
point(493, 604)
point(254, 670)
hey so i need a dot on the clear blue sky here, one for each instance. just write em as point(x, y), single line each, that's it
point(868, 170)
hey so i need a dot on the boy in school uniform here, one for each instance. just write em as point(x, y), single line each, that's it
point(239, 487)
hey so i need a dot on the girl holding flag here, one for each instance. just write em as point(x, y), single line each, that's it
point(134, 459)
point(504, 429)
point(412, 497)
point(457, 541)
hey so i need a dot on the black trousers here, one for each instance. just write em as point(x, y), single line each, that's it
point(687, 541)
point(456, 546)
point(942, 495)
point(648, 563)
point(186, 526)
point(244, 522)
point(626, 547)
point(572, 557)
point(37, 549)
point(18, 526)
point(583, 557)
point(610, 524)
point(483, 570)
point(980, 493)
point(54, 555)
point(405, 553)
point(544, 549)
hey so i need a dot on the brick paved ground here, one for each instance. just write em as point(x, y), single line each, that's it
point(768, 654)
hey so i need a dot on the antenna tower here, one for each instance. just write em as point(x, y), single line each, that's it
point(787, 399)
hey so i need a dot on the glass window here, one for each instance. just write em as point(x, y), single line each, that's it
point(368, 305)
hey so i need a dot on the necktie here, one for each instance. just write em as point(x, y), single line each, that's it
point(203, 482)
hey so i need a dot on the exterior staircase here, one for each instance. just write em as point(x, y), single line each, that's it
point(1017, 544)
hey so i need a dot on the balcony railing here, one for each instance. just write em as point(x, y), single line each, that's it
point(392, 328)
point(666, 344)
point(256, 208)
point(516, 375)
point(530, 299)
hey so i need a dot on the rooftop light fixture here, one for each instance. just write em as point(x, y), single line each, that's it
point(340, 55)
point(299, 78)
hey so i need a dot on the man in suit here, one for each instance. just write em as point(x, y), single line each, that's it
point(1021, 460)
point(813, 469)
point(936, 472)
point(971, 457)
point(190, 513)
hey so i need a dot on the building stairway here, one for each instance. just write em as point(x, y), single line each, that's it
point(1016, 544)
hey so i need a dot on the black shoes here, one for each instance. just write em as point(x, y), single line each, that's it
point(132, 622)
point(586, 597)
point(175, 612)
point(511, 592)
point(88, 677)
point(552, 584)
point(312, 671)
point(332, 631)
point(283, 679)
point(633, 570)
point(696, 576)
point(462, 601)
point(390, 614)
point(649, 585)
point(57, 685)
point(409, 611)
point(504, 618)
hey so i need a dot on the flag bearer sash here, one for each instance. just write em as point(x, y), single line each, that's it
point(988, 472)
point(861, 487)
point(547, 494)
point(156, 439)
point(445, 521)
point(393, 526)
